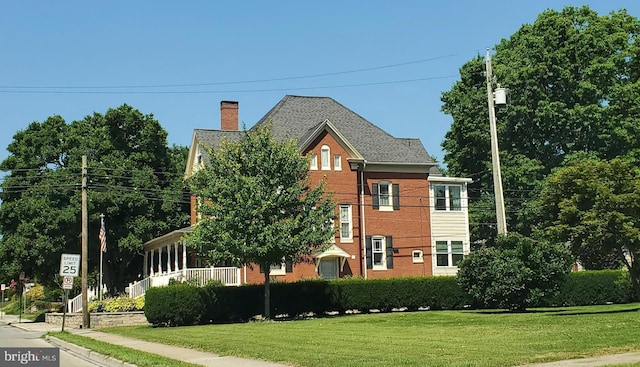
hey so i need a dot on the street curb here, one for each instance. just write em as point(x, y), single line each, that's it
point(85, 353)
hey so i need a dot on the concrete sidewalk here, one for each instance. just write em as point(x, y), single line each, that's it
point(178, 353)
point(214, 360)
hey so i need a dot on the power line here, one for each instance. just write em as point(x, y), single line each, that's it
point(238, 82)
point(229, 91)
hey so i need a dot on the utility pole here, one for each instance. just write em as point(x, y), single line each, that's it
point(86, 323)
point(495, 157)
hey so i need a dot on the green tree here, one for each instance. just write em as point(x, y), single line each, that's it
point(516, 273)
point(574, 86)
point(133, 178)
point(257, 205)
point(594, 206)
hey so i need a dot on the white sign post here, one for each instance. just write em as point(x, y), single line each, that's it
point(70, 265)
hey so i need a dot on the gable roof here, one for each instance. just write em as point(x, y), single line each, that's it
point(302, 118)
point(296, 116)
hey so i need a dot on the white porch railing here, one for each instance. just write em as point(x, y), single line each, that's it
point(200, 276)
point(75, 304)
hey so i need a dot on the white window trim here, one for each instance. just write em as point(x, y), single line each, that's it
point(447, 198)
point(325, 163)
point(337, 162)
point(419, 259)
point(449, 253)
point(275, 270)
point(314, 162)
point(383, 265)
point(348, 239)
point(385, 207)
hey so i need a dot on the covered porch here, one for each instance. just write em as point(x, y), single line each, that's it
point(168, 257)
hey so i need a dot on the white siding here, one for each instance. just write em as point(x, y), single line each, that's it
point(449, 225)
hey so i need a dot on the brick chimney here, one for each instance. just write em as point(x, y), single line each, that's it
point(229, 115)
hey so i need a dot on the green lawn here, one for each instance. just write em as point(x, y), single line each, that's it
point(432, 338)
point(140, 359)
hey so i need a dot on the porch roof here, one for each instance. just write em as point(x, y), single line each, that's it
point(333, 251)
point(167, 239)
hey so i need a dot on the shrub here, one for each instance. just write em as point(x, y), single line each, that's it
point(515, 274)
point(175, 305)
point(120, 304)
point(594, 287)
point(140, 303)
point(36, 293)
point(97, 306)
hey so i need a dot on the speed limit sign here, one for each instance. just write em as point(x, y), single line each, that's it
point(67, 282)
point(69, 265)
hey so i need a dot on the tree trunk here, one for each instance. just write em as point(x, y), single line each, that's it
point(633, 273)
point(267, 291)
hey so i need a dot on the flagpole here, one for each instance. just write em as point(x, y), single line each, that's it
point(100, 282)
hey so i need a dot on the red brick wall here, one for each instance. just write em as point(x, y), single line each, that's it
point(408, 226)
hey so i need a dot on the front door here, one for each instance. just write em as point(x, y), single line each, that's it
point(328, 268)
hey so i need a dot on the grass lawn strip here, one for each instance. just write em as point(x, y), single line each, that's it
point(141, 359)
point(433, 338)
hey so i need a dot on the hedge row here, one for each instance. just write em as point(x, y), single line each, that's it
point(184, 304)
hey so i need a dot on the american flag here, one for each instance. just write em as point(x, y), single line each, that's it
point(103, 236)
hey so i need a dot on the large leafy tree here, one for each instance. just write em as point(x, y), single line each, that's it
point(594, 206)
point(134, 178)
point(574, 81)
point(258, 206)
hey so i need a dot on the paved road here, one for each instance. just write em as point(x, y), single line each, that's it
point(12, 337)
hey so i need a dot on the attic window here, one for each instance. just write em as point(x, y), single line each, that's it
point(314, 162)
point(324, 158)
point(337, 162)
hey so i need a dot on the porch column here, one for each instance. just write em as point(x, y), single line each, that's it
point(146, 263)
point(169, 258)
point(151, 263)
point(159, 260)
point(175, 256)
point(184, 254)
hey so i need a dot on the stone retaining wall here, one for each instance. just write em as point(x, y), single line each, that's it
point(98, 319)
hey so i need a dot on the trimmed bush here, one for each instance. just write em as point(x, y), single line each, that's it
point(218, 304)
point(594, 287)
point(175, 305)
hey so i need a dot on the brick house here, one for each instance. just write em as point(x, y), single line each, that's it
point(397, 215)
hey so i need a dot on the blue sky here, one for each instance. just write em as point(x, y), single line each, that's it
point(388, 61)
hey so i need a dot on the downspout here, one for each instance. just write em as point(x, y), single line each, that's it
point(363, 233)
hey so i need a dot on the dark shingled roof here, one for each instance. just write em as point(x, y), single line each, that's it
point(297, 117)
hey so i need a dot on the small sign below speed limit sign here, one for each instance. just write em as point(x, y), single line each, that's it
point(67, 282)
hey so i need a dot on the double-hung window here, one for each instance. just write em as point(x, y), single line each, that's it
point(449, 253)
point(385, 196)
point(448, 197)
point(384, 190)
point(379, 250)
point(346, 223)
